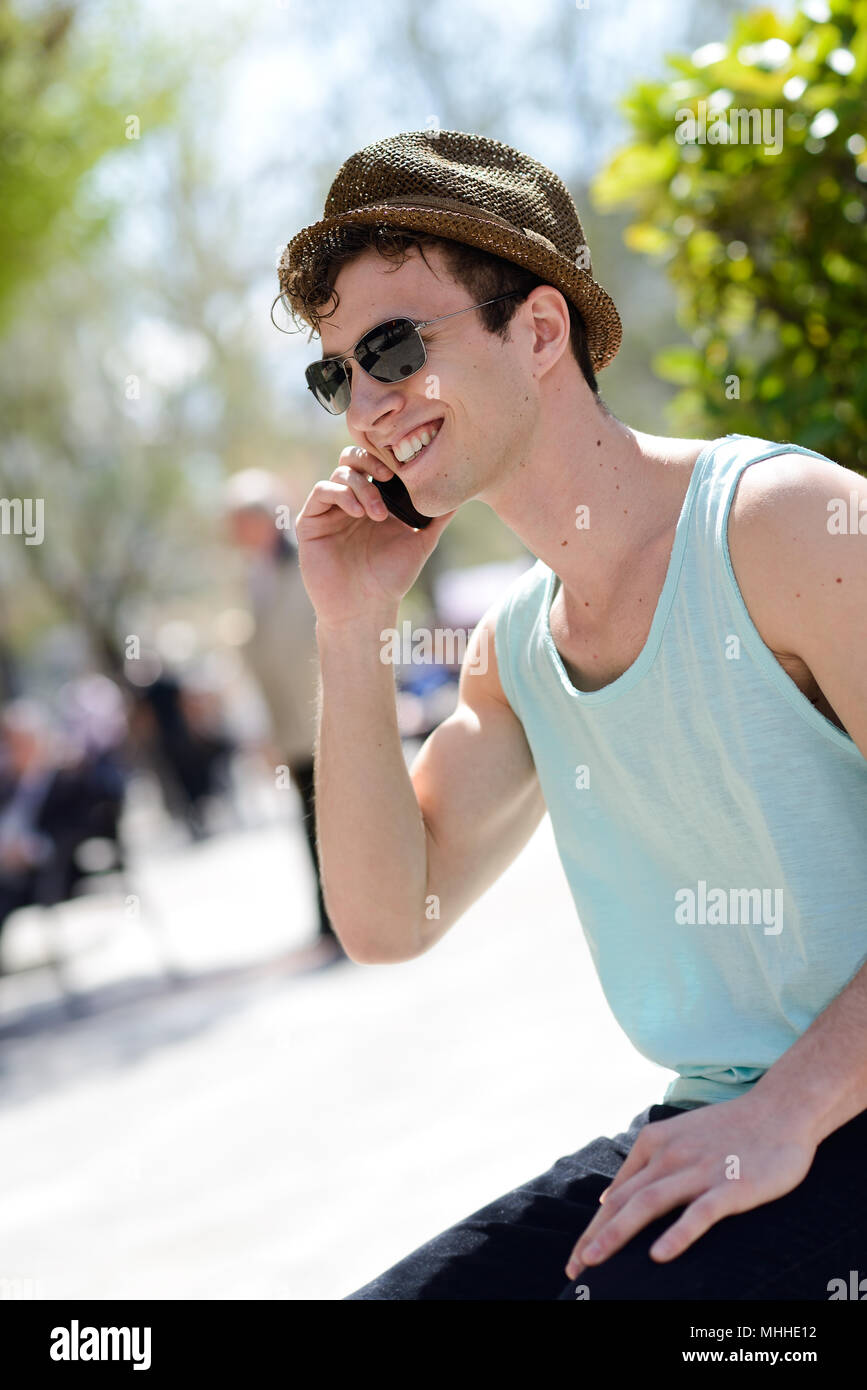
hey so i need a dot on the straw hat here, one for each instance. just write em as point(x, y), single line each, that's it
point(467, 188)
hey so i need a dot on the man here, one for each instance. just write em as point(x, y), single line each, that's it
point(281, 650)
point(680, 680)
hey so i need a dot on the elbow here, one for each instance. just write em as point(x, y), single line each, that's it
point(365, 948)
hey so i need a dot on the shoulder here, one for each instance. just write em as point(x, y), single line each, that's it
point(524, 593)
point(488, 649)
point(797, 537)
point(792, 487)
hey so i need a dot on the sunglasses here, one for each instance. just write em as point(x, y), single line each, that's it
point(390, 352)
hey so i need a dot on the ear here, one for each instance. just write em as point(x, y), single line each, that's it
point(546, 315)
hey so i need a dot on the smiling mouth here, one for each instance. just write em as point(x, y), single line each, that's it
point(404, 462)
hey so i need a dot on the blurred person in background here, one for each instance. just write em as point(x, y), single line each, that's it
point(94, 720)
point(178, 727)
point(27, 776)
point(55, 795)
point(95, 733)
point(281, 651)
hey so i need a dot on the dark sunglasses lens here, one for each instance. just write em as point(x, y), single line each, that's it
point(391, 351)
point(330, 385)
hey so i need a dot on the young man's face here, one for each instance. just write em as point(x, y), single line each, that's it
point(477, 389)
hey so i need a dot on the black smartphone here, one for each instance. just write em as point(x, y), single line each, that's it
point(396, 497)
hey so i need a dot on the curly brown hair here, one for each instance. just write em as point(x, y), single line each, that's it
point(307, 288)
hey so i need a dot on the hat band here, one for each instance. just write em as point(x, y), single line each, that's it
point(423, 201)
point(434, 200)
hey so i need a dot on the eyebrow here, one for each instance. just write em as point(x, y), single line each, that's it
point(344, 352)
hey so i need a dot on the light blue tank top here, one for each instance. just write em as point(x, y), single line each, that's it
point(711, 822)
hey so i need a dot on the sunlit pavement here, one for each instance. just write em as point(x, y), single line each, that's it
point(210, 1119)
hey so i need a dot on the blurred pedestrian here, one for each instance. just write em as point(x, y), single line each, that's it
point(281, 651)
point(54, 797)
point(186, 747)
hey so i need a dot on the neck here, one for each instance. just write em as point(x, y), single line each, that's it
point(629, 485)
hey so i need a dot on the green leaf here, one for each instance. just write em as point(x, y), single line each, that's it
point(680, 364)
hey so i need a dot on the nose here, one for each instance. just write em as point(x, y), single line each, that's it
point(370, 400)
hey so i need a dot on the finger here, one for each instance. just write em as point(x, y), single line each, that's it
point(324, 496)
point(638, 1158)
point(643, 1206)
point(367, 492)
point(609, 1232)
point(608, 1209)
point(709, 1208)
point(603, 1217)
point(632, 1167)
point(618, 1194)
point(363, 461)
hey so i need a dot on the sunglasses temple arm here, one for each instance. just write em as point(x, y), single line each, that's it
point(466, 309)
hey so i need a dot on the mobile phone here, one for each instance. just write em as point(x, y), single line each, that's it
point(396, 497)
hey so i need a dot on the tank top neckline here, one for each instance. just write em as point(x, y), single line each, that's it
point(634, 672)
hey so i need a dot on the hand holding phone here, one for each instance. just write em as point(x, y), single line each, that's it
point(396, 497)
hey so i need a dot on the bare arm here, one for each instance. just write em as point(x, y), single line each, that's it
point(477, 787)
point(403, 854)
point(397, 849)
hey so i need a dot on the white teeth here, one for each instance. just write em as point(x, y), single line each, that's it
point(413, 444)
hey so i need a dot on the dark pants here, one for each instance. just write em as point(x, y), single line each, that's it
point(302, 776)
point(517, 1246)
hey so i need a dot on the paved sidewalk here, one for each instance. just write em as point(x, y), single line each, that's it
point(249, 1132)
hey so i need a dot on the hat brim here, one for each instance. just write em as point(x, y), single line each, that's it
point(602, 321)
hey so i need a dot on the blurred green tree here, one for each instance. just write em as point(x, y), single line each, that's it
point(92, 107)
point(60, 113)
point(152, 381)
point(764, 238)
